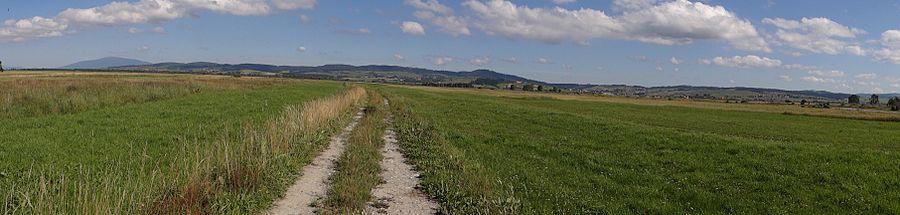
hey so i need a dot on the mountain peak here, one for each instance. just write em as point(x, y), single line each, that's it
point(106, 62)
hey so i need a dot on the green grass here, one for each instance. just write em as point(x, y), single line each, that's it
point(492, 155)
point(129, 157)
point(358, 169)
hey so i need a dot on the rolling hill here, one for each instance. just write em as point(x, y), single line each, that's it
point(488, 78)
point(103, 63)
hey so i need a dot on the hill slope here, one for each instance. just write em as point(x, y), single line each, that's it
point(410, 75)
point(103, 63)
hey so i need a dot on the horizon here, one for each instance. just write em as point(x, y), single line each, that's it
point(756, 44)
point(501, 72)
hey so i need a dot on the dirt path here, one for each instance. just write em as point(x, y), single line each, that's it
point(398, 195)
point(301, 197)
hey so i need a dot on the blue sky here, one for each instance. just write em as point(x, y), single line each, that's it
point(838, 46)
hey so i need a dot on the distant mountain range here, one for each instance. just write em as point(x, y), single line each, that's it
point(483, 78)
point(103, 63)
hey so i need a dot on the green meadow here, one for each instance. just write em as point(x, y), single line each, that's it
point(122, 144)
point(116, 143)
point(489, 154)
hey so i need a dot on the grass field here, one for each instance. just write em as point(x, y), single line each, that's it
point(114, 143)
point(501, 152)
point(159, 143)
point(715, 105)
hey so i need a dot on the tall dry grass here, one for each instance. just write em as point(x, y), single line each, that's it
point(358, 169)
point(33, 95)
point(241, 173)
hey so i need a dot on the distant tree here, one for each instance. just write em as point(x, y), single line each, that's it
point(854, 99)
point(894, 103)
point(873, 100)
point(528, 87)
point(540, 88)
point(1, 66)
point(804, 102)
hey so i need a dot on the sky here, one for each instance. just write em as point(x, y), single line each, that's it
point(834, 45)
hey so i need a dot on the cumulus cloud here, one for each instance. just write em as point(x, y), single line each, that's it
point(37, 27)
point(441, 16)
point(138, 12)
point(668, 23)
point(866, 76)
point(135, 30)
point(542, 61)
point(749, 61)
point(624, 5)
point(399, 57)
point(890, 51)
point(817, 35)
point(440, 61)
point(480, 61)
point(413, 28)
point(676, 61)
point(815, 79)
point(564, 1)
point(294, 4)
point(357, 31)
point(786, 78)
point(304, 19)
point(301, 49)
point(832, 73)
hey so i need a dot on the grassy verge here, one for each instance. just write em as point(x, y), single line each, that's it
point(455, 179)
point(359, 167)
point(216, 151)
point(488, 154)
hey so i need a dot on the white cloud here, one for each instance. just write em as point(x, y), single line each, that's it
point(135, 30)
point(626, 5)
point(749, 61)
point(676, 61)
point(511, 60)
point(358, 31)
point(304, 19)
point(430, 5)
point(413, 28)
point(786, 78)
point(815, 79)
point(668, 23)
point(867, 76)
point(440, 61)
point(441, 16)
point(564, 1)
point(399, 57)
point(37, 27)
point(832, 73)
point(799, 67)
point(452, 25)
point(294, 4)
point(143, 48)
point(890, 52)
point(158, 30)
point(816, 35)
point(480, 61)
point(542, 61)
point(137, 12)
point(301, 49)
